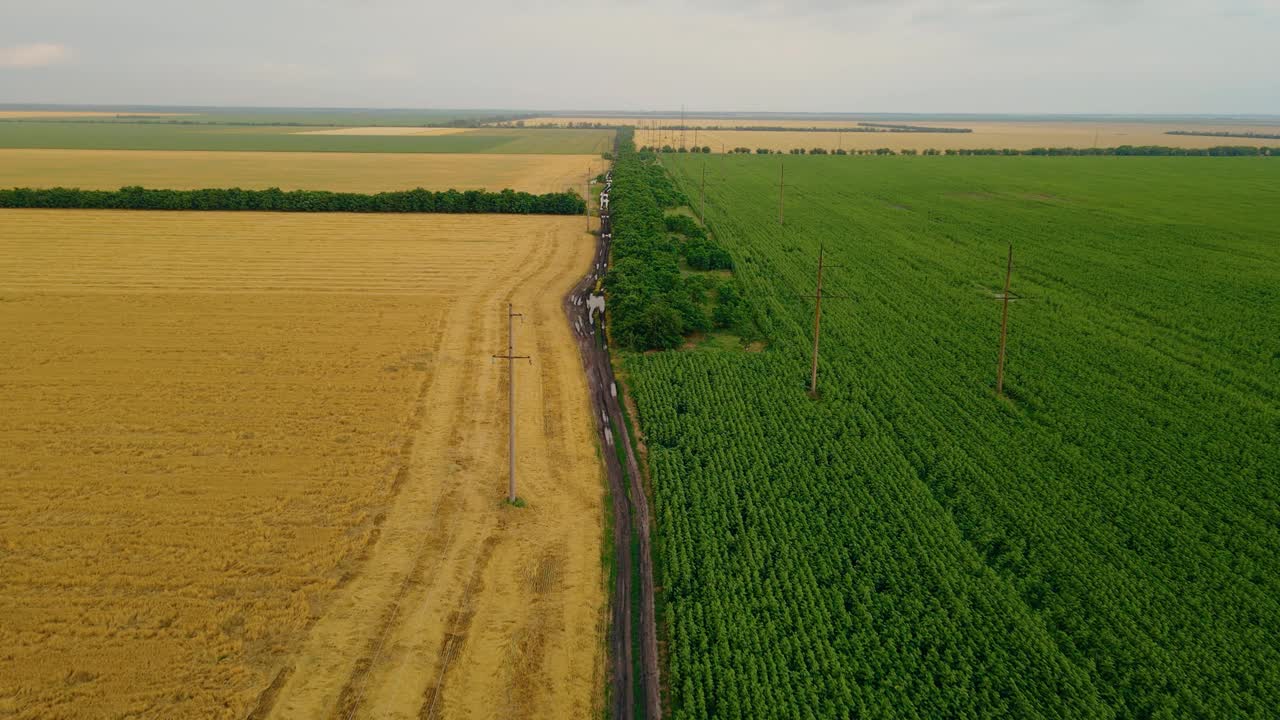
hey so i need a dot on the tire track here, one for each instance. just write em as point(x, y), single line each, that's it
point(383, 671)
point(402, 680)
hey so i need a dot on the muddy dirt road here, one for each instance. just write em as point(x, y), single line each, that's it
point(630, 507)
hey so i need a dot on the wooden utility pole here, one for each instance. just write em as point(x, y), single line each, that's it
point(511, 357)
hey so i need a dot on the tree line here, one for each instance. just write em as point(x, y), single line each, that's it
point(652, 305)
point(1226, 134)
point(277, 200)
point(894, 127)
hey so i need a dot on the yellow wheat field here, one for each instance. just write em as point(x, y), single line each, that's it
point(252, 465)
point(384, 130)
point(349, 172)
point(1018, 135)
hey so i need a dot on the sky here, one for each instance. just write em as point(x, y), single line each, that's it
point(907, 56)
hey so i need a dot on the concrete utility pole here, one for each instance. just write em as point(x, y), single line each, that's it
point(511, 357)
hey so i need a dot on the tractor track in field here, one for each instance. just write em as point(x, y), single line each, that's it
point(630, 506)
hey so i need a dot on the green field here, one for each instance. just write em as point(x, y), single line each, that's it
point(162, 136)
point(1106, 543)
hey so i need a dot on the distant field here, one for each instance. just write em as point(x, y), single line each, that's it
point(347, 172)
point(162, 136)
point(1018, 135)
point(227, 440)
point(297, 116)
point(51, 114)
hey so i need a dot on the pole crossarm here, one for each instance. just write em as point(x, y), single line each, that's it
point(826, 296)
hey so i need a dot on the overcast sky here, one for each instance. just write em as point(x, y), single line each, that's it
point(984, 56)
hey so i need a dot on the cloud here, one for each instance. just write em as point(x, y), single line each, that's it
point(34, 55)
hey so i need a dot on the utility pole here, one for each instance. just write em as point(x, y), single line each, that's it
point(1006, 297)
point(817, 321)
point(695, 138)
point(702, 201)
point(511, 358)
point(782, 174)
point(817, 328)
point(1004, 324)
point(587, 200)
point(682, 125)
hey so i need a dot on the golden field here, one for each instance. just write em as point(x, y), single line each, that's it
point(385, 130)
point(986, 134)
point(252, 465)
point(1023, 136)
point(348, 172)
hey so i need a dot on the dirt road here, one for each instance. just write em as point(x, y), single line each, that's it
point(630, 506)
